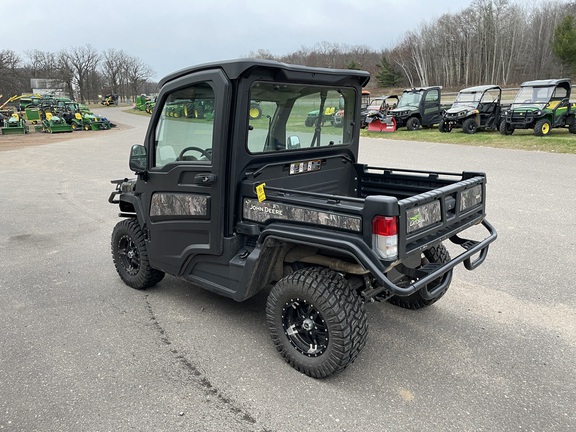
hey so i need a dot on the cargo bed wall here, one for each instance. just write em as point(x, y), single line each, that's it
point(403, 184)
point(331, 176)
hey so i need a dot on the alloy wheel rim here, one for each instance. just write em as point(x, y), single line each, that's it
point(305, 327)
point(129, 255)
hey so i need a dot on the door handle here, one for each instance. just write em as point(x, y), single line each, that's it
point(205, 179)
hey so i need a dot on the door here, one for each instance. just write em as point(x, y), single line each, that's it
point(431, 114)
point(183, 195)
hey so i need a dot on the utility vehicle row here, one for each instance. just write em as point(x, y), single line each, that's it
point(539, 105)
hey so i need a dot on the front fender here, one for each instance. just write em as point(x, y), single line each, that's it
point(129, 202)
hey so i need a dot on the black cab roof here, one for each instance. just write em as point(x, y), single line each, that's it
point(235, 69)
point(563, 82)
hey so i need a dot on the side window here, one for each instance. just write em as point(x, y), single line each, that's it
point(560, 93)
point(432, 96)
point(186, 126)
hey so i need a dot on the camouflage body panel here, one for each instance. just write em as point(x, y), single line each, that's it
point(179, 204)
point(267, 210)
point(423, 216)
point(471, 198)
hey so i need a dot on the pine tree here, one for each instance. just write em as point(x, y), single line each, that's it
point(387, 76)
point(353, 64)
point(564, 42)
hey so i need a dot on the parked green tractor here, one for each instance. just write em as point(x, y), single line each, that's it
point(541, 105)
point(13, 125)
point(55, 124)
point(79, 116)
point(189, 108)
point(141, 102)
point(110, 99)
point(255, 110)
point(149, 106)
point(331, 108)
point(94, 122)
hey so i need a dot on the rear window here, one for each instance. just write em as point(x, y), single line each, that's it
point(294, 117)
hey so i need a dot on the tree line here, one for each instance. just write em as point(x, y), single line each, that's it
point(490, 42)
point(501, 42)
point(85, 72)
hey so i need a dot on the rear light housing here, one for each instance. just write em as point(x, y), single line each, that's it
point(385, 237)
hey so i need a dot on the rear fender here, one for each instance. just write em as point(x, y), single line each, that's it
point(282, 243)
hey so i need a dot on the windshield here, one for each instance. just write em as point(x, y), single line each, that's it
point(297, 116)
point(533, 96)
point(410, 99)
point(467, 99)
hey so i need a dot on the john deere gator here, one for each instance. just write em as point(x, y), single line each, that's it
point(541, 105)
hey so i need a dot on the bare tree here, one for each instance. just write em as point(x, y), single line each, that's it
point(10, 83)
point(137, 73)
point(65, 72)
point(401, 55)
point(41, 64)
point(262, 54)
point(113, 62)
point(490, 42)
point(82, 62)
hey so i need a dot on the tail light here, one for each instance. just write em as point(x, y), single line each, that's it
point(385, 236)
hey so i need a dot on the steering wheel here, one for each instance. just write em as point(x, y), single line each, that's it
point(205, 153)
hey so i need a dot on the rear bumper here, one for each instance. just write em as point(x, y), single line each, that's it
point(471, 248)
point(359, 250)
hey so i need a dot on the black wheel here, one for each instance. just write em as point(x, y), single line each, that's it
point(505, 128)
point(469, 126)
point(444, 127)
point(203, 152)
point(316, 321)
point(131, 257)
point(413, 124)
point(422, 298)
point(542, 127)
point(309, 122)
point(572, 126)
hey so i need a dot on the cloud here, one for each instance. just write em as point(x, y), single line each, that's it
point(170, 34)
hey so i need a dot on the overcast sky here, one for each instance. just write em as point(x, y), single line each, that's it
point(172, 34)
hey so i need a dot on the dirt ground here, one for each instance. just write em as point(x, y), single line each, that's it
point(33, 138)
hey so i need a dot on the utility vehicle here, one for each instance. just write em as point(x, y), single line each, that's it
point(379, 105)
point(541, 105)
point(417, 107)
point(475, 108)
point(238, 205)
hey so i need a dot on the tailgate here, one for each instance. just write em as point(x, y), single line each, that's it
point(438, 214)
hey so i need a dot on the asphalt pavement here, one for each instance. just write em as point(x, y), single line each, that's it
point(80, 351)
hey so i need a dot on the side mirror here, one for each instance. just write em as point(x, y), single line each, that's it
point(293, 142)
point(138, 158)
